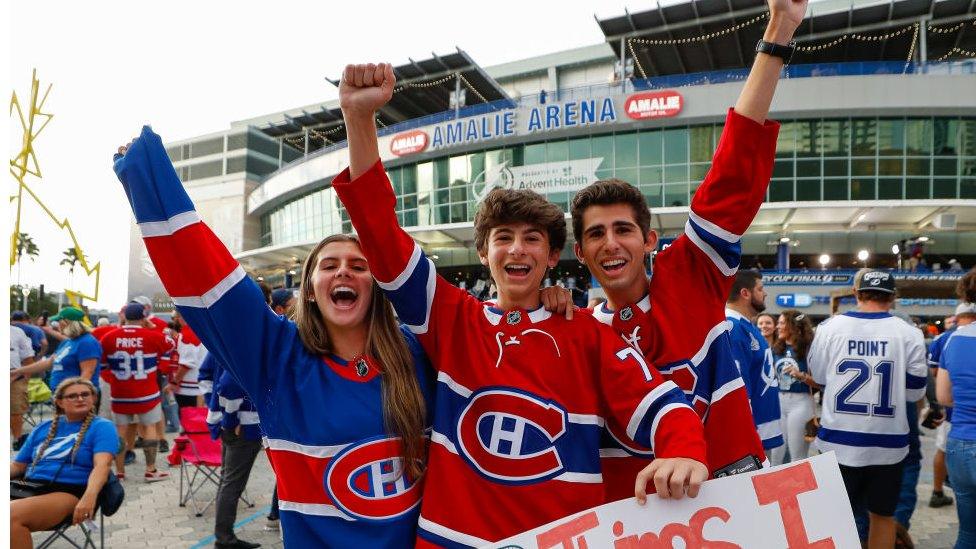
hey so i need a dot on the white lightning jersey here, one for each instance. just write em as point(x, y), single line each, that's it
point(871, 365)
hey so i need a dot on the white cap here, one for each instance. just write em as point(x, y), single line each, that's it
point(966, 308)
point(142, 300)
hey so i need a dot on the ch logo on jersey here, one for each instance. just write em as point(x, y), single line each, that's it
point(683, 375)
point(510, 436)
point(366, 481)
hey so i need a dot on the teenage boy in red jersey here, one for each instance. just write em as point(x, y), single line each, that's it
point(677, 318)
point(522, 395)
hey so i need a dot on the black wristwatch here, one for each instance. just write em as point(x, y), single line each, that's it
point(783, 52)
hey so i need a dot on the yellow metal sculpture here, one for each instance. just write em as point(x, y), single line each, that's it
point(25, 163)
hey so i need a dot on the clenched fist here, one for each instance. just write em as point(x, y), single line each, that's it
point(365, 88)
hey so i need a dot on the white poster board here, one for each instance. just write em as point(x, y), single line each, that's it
point(802, 504)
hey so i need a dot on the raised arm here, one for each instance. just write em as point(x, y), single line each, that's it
point(210, 289)
point(784, 18)
point(398, 264)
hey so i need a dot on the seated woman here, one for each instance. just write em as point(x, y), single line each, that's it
point(68, 458)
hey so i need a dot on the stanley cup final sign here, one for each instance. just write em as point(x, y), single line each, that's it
point(800, 504)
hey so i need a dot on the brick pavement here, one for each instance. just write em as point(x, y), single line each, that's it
point(150, 516)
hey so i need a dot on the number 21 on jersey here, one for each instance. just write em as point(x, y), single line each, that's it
point(851, 398)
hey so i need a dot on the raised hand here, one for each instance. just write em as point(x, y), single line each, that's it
point(784, 18)
point(365, 88)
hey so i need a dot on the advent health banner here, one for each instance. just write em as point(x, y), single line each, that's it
point(797, 505)
point(549, 177)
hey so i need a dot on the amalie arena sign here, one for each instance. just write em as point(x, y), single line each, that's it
point(541, 118)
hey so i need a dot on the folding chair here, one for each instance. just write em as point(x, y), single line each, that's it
point(200, 460)
point(39, 397)
point(60, 532)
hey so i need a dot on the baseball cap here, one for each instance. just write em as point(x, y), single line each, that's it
point(876, 281)
point(68, 313)
point(134, 311)
point(142, 300)
point(19, 315)
point(281, 297)
point(965, 308)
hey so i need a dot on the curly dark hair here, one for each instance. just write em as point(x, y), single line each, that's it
point(966, 287)
point(503, 206)
point(801, 329)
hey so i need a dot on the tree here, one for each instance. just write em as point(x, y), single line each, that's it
point(70, 259)
point(26, 245)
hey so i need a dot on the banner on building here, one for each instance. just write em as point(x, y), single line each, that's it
point(549, 177)
point(801, 504)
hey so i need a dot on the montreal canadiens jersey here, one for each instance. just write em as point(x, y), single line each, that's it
point(680, 326)
point(191, 353)
point(131, 354)
point(755, 361)
point(871, 365)
point(337, 468)
point(228, 406)
point(522, 396)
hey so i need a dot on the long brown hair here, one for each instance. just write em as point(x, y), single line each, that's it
point(404, 411)
point(801, 328)
point(58, 412)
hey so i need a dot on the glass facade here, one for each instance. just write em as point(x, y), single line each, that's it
point(196, 160)
point(816, 159)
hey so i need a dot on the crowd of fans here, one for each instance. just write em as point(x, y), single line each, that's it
point(882, 488)
point(111, 389)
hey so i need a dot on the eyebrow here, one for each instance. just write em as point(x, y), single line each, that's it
point(614, 224)
point(334, 258)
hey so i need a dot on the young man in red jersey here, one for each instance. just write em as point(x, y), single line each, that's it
point(132, 354)
point(522, 395)
point(676, 318)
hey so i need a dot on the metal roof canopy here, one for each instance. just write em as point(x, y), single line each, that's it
point(413, 99)
point(825, 21)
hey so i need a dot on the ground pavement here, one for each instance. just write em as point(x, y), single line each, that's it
point(150, 516)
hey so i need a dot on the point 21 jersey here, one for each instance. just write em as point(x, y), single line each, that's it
point(522, 396)
point(132, 355)
point(871, 365)
point(338, 470)
point(680, 326)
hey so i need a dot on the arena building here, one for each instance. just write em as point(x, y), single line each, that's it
point(876, 159)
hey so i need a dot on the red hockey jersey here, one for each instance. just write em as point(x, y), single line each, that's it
point(132, 354)
point(521, 398)
point(680, 326)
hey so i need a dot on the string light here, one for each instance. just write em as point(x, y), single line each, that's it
point(950, 30)
point(428, 84)
point(967, 53)
point(472, 88)
point(858, 36)
point(633, 55)
point(911, 49)
point(702, 38)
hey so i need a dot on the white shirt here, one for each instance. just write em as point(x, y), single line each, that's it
point(872, 365)
point(20, 347)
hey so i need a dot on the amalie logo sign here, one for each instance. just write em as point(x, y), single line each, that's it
point(661, 104)
point(411, 142)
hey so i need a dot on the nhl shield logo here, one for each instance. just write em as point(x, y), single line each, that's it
point(513, 317)
point(362, 368)
point(626, 314)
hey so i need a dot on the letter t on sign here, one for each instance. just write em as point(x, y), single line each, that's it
point(563, 534)
point(783, 487)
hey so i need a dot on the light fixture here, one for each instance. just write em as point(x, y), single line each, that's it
point(895, 249)
point(784, 240)
point(862, 255)
point(260, 279)
point(923, 239)
point(435, 257)
point(292, 272)
point(824, 260)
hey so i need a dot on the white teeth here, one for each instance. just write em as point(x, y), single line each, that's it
point(346, 289)
point(612, 263)
point(518, 267)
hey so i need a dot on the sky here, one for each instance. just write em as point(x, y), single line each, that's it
point(189, 68)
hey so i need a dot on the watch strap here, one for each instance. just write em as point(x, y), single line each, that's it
point(777, 50)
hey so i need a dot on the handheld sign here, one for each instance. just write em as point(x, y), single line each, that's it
point(800, 504)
